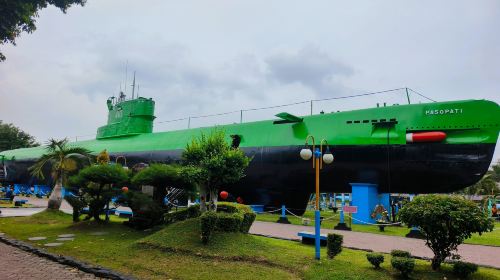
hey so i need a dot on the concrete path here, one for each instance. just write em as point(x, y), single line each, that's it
point(39, 205)
point(17, 264)
point(19, 212)
point(479, 254)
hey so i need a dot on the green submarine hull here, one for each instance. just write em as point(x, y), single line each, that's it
point(388, 146)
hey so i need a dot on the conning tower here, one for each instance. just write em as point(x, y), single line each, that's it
point(128, 117)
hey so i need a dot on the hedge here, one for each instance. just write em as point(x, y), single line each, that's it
point(400, 253)
point(404, 265)
point(464, 269)
point(375, 259)
point(208, 225)
point(229, 222)
point(248, 216)
point(334, 244)
point(181, 215)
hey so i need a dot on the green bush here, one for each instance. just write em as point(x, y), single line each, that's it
point(464, 269)
point(181, 215)
point(400, 253)
point(193, 211)
point(248, 219)
point(334, 244)
point(228, 207)
point(146, 213)
point(404, 265)
point(375, 259)
point(229, 222)
point(248, 215)
point(208, 222)
point(451, 220)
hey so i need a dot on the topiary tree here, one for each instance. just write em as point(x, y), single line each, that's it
point(161, 176)
point(375, 259)
point(100, 183)
point(446, 221)
point(214, 164)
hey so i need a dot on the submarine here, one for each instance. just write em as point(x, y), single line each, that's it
point(436, 147)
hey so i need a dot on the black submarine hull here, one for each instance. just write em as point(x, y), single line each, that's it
point(277, 175)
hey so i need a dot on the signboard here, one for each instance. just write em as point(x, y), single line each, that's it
point(350, 209)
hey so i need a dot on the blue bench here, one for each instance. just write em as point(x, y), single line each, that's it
point(111, 211)
point(257, 208)
point(20, 202)
point(309, 238)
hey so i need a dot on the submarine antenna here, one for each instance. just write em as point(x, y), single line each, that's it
point(133, 87)
point(126, 72)
point(137, 90)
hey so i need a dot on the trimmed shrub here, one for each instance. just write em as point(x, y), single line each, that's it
point(248, 215)
point(375, 259)
point(229, 222)
point(208, 225)
point(146, 213)
point(334, 244)
point(193, 211)
point(464, 269)
point(400, 253)
point(181, 215)
point(248, 219)
point(404, 265)
point(227, 207)
point(452, 220)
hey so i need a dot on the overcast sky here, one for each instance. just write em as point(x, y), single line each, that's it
point(204, 57)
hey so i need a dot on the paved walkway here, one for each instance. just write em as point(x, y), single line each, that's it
point(17, 264)
point(19, 212)
point(482, 255)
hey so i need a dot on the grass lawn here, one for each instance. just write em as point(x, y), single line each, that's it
point(331, 220)
point(176, 252)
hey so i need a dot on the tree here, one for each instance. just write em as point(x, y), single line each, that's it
point(446, 221)
point(19, 16)
point(214, 164)
point(161, 176)
point(99, 184)
point(12, 137)
point(63, 159)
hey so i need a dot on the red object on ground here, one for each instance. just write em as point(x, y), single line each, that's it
point(125, 189)
point(224, 195)
point(239, 200)
point(431, 136)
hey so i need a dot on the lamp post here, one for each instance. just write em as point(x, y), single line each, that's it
point(317, 158)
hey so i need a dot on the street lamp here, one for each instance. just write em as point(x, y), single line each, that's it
point(306, 154)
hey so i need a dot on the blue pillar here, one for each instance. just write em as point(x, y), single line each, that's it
point(342, 204)
point(283, 219)
point(365, 197)
point(317, 231)
point(342, 225)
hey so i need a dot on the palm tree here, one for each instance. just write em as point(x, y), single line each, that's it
point(63, 160)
